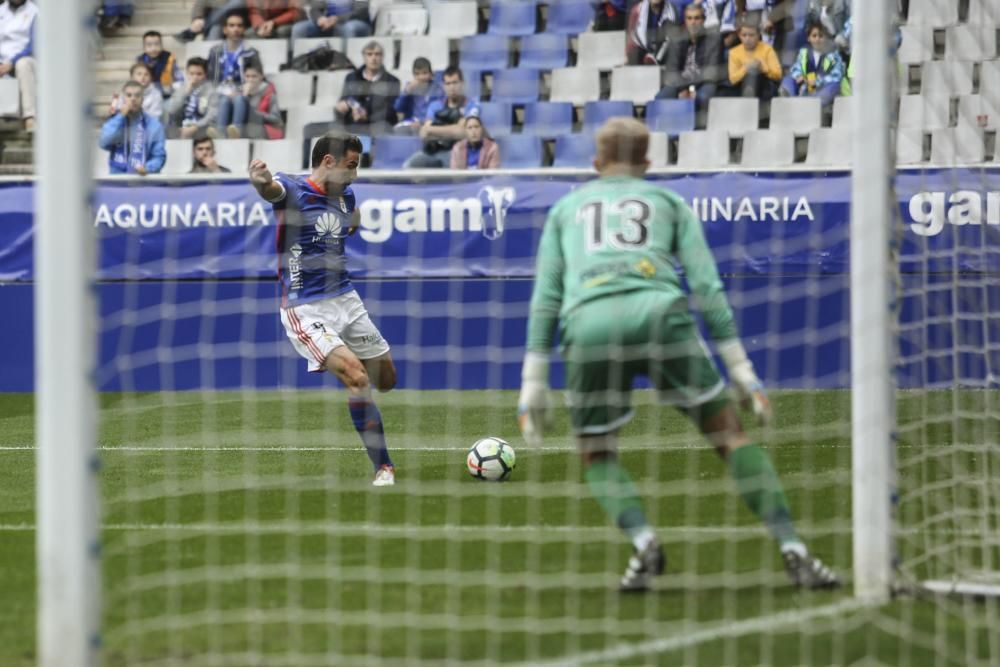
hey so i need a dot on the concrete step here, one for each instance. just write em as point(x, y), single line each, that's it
point(161, 16)
point(16, 169)
point(21, 154)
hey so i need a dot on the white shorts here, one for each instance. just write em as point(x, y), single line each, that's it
point(317, 328)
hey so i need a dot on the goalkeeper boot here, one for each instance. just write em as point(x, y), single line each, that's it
point(642, 567)
point(807, 571)
point(385, 476)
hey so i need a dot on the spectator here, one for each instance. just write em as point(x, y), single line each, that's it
point(272, 18)
point(255, 114)
point(722, 16)
point(115, 14)
point(192, 111)
point(817, 70)
point(611, 15)
point(334, 18)
point(834, 15)
point(444, 124)
point(477, 150)
point(694, 61)
point(134, 138)
point(417, 96)
point(152, 99)
point(204, 158)
point(226, 61)
point(208, 17)
point(650, 23)
point(164, 67)
point(17, 24)
point(754, 68)
point(369, 94)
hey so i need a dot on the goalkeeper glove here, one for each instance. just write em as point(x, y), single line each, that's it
point(534, 407)
point(749, 389)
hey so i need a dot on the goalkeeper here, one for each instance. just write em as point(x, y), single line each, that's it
point(605, 275)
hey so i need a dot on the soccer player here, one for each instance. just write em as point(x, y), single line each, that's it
point(605, 275)
point(322, 313)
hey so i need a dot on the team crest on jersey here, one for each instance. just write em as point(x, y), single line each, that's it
point(343, 204)
point(327, 224)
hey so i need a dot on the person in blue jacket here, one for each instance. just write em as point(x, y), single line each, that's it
point(134, 138)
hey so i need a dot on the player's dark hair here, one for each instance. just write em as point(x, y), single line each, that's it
point(152, 33)
point(452, 70)
point(197, 61)
point(336, 144)
point(421, 64)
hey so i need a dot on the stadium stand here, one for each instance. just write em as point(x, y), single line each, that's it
point(945, 78)
point(935, 13)
point(513, 18)
point(971, 42)
point(984, 12)
point(515, 86)
point(733, 115)
point(452, 18)
point(544, 51)
point(703, 149)
point(520, 151)
point(497, 118)
point(636, 84)
point(829, 147)
point(799, 115)
point(280, 155)
point(958, 145)
point(412, 47)
point(577, 85)
point(595, 113)
point(768, 149)
point(979, 111)
point(843, 114)
point(574, 150)
point(918, 112)
point(232, 153)
point(179, 157)
point(484, 52)
point(390, 152)
point(917, 45)
point(569, 17)
point(670, 116)
point(602, 50)
point(909, 147)
point(548, 119)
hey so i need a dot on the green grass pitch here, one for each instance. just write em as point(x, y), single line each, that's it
point(241, 529)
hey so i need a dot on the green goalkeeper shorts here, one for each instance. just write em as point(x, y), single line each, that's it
point(609, 342)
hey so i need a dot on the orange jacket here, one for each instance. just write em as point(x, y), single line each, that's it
point(770, 66)
point(281, 12)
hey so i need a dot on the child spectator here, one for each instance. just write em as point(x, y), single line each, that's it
point(649, 25)
point(369, 94)
point(193, 110)
point(834, 15)
point(152, 99)
point(818, 68)
point(204, 158)
point(134, 138)
point(694, 61)
point(417, 96)
point(272, 18)
point(255, 114)
point(477, 150)
point(334, 18)
point(207, 18)
point(17, 23)
point(226, 61)
point(164, 67)
point(444, 125)
point(754, 68)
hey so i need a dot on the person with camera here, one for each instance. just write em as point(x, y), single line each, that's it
point(444, 125)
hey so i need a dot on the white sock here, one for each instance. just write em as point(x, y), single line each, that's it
point(795, 547)
point(643, 538)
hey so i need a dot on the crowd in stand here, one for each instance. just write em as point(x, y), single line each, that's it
point(705, 49)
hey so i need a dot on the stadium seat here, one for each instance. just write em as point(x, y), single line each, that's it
point(989, 80)
point(830, 147)
point(909, 146)
point(354, 47)
point(293, 87)
point(512, 18)
point(452, 19)
point(596, 112)
point(279, 154)
point(401, 18)
point(799, 115)
point(433, 48)
point(970, 42)
point(638, 84)
point(544, 51)
point(519, 151)
point(843, 112)
point(233, 154)
point(307, 44)
point(390, 151)
point(983, 13)
point(473, 80)
point(299, 117)
point(658, 148)
point(199, 49)
point(330, 86)
point(273, 53)
point(945, 78)
point(515, 86)
point(577, 85)
point(733, 115)
point(935, 13)
point(574, 150)
point(101, 166)
point(496, 117)
point(180, 157)
point(548, 119)
point(9, 96)
point(703, 150)
point(917, 45)
point(601, 50)
point(569, 17)
point(670, 116)
point(767, 149)
point(958, 145)
point(922, 112)
point(978, 111)
point(484, 52)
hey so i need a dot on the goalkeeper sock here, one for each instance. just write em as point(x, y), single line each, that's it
point(761, 489)
point(368, 422)
point(615, 492)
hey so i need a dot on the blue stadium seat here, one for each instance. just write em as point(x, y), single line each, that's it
point(574, 150)
point(596, 112)
point(390, 152)
point(670, 116)
point(519, 151)
point(496, 117)
point(513, 18)
point(515, 86)
point(569, 17)
point(544, 51)
point(483, 52)
point(548, 119)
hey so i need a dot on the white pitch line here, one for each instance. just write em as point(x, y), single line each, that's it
point(687, 638)
point(451, 448)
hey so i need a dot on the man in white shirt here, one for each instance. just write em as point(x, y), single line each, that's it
point(17, 21)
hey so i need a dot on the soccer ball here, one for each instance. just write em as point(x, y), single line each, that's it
point(490, 459)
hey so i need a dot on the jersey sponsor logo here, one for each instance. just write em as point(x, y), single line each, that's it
point(327, 224)
point(170, 215)
point(930, 211)
point(486, 214)
point(295, 267)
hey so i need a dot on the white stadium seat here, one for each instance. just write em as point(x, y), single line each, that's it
point(909, 146)
point(917, 45)
point(234, 154)
point(433, 48)
point(294, 88)
point(638, 84)
point(800, 115)
point(307, 44)
point(703, 150)
point(578, 85)
point(299, 117)
point(603, 50)
point(921, 112)
point(658, 147)
point(449, 18)
point(935, 13)
point(733, 114)
point(280, 154)
point(830, 147)
point(10, 96)
point(945, 78)
point(958, 145)
point(978, 111)
point(764, 149)
point(330, 86)
point(179, 157)
point(273, 53)
point(971, 42)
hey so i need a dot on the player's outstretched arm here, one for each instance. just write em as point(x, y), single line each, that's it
point(263, 182)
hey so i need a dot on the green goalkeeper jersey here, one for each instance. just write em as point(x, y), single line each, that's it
point(621, 234)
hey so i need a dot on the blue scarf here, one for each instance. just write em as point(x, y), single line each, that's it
point(232, 65)
point(191, 106)
point(130, 153)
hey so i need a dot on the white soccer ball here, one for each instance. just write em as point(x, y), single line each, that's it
point(491, 459)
